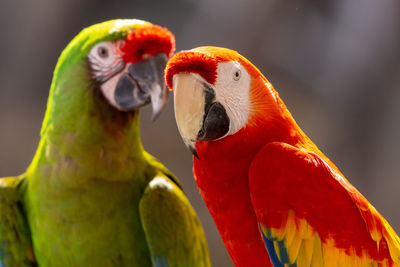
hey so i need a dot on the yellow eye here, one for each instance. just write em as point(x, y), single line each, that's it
point(236, 75)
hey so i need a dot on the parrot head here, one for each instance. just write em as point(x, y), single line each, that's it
point(125, 60)
point(218, 93)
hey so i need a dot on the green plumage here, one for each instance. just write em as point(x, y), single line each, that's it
point(89, 197)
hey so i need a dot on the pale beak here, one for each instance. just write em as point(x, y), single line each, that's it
point(189, 100)
point(197, 113)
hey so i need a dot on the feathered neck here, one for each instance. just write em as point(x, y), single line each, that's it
point(82, 131)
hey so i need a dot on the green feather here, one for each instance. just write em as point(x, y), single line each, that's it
point(82, 191)
point(170, 222)
point(15, 241)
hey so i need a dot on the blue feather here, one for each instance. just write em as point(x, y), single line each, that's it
point(159, 261)
point(283, 252)
point(269, 244)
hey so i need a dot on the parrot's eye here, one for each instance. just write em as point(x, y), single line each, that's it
point(105, 61)
point(102, 52)
point(236, 75)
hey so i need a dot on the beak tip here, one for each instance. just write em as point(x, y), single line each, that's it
point(192, 148)
point(149, 78)
point(194, 152)
point(159, 103)
point(155, 116)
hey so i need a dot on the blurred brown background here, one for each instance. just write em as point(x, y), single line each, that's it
point(335, 63)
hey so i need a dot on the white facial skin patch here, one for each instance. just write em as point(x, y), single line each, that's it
point(107, 64)
point(232, 89)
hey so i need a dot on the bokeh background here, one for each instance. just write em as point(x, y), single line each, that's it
point(335, 63)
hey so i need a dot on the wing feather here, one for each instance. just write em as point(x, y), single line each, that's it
point(173, 231)
point(15, 241)
point(313, 215)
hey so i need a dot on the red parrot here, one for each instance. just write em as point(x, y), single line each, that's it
point(274, 196)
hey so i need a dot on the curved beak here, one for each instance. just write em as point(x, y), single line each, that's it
point(143, 83)
point(197, 113)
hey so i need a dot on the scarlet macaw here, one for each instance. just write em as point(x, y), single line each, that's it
point(273, 194)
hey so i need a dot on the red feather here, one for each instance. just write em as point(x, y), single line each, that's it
point(147, 40)
point(284, 178)
point(191, 62)
point(282, 181)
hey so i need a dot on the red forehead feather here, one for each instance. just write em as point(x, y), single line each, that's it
point(149, 40)
point(192, 62)
point(203, 61)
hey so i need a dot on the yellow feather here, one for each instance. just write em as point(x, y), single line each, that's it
point(293, 248)
point(276, 246)
point(353, 261)
point(364, 261)
point(330, 254)
point(290, 233)
point(317, 259)
point(357, 261)
point(305, 253)
point(290, 228)
point(308, 245)
point(280, 233)
point(393, 242)
point(303, 227)
point(307, 231)
point(301, 260)
point(344, 259)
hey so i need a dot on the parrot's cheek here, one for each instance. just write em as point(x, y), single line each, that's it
point(139, 84)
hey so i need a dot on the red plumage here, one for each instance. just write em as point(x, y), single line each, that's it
point(190, 62)
point(226, 193)
point(255, 178)
point(147, 40)
point(316, 193)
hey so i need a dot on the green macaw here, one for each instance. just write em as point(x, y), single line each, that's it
point(92, 196)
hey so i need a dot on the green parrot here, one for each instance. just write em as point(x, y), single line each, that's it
point(92, 196)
